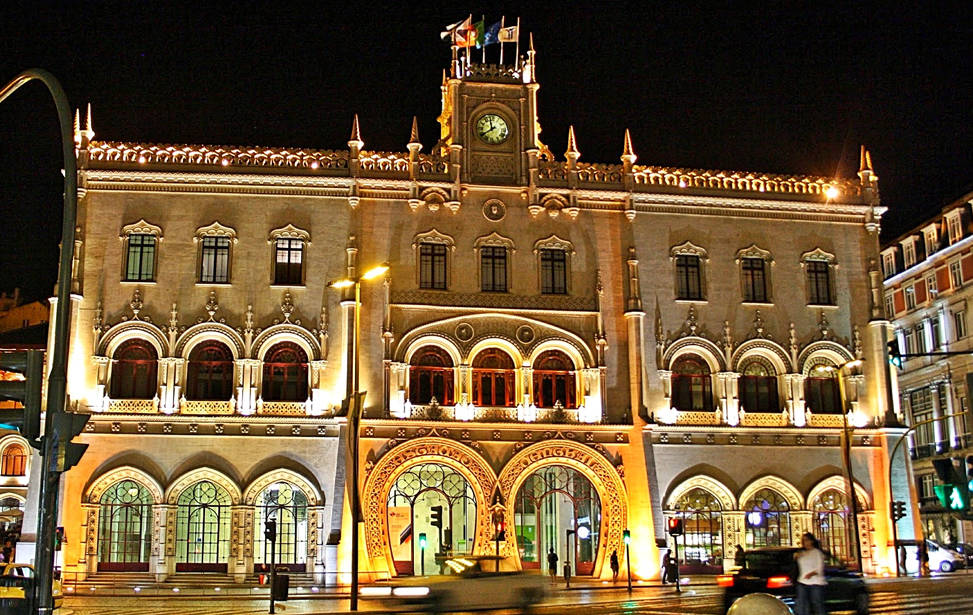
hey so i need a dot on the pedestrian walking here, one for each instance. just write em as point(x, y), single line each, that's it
point(614, 565)
point(810, 577)
point(552, 564)
point(739, 557)
point(667, 573)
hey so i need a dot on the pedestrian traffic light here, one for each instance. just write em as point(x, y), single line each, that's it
point(437, 517)
point(499, 528)
point(895, 355)
point(27, 390)
point(270, 530)
point(59, 538)
point(898, 510)
point(675, 526)
point(627, 537)
point(422, 540)
point(67, 426)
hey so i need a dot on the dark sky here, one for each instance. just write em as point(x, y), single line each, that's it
point(787, 86)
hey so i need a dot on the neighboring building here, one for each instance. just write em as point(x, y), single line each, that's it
point(928, 291)
point(557, 344)
point(17, 315)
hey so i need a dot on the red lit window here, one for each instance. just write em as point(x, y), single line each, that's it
point(494, 379)
point(135, 371)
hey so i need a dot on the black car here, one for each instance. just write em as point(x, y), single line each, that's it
point(966, 550)
point(772, 570)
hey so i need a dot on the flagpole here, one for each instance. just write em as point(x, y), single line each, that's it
point(502, 20)
point(517, 52)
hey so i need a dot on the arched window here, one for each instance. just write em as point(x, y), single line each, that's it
point(701, 545)
point(135, 370)
point(692, 387)
point(125, 528)
point(758, 386)
point(285, 373)
point(494, 379)
point(203, 528)
point(832, 518)
point(210, 373)
point(554, 380)
point(14, 461)
point(431, 375)
point(287, 505)
point(821, 392)
point(768, 519)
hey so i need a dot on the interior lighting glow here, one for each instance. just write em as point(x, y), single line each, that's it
point(832, 192)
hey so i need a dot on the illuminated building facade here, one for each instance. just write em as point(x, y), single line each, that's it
point(928, 274)
point(558, 345)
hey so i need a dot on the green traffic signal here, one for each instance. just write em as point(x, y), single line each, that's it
point(895, 355)
point(951, 496)
point(422, 541)
point(26, 420)
point(627, 537)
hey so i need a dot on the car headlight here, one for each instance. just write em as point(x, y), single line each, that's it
point(375, 592)
point(410, 592)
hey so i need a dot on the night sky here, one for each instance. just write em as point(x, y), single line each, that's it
point(790, 87)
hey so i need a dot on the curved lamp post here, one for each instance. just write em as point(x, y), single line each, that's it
point(57, 379)
point(354, 418)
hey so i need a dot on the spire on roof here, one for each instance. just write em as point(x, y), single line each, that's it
point(87, 124)
point(355, 134)
point(572, 144)
point(414, 137)
point(628, 154)
point(77, 127)
point(865, 163)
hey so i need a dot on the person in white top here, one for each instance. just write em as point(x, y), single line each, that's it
point(810, 577)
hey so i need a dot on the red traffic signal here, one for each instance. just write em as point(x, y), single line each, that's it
point(675, 526)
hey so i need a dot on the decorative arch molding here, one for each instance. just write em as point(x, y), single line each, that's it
point(767, 349)
point(133, 329)
point(718, 489)
point(10, 494)
point(688, 249)
point(494, 341)
point(106, 480)
point(554, 243)
point(837, 482)
point(434, 237)
point(433, 339)
point(209, 331)
point(286, 332)
point(192, 477)
point(817, 254)
point(215, 230)
point(494, 240)
point(381, 477)
point(710, 352)
point(794, 498)
point(554, 200)
point(754, 252)
point(833, 351)
point(141, 228)
point(15, 438)
point(283, 475)
point(564, 346)
point(289, 232)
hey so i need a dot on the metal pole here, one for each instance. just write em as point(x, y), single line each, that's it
point(273, 572)
point(57, 378)
point(628, 567)
point(355, 420)
point(895, 543)
point(676, 543)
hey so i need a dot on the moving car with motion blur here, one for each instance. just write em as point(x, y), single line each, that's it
point(772, 570)
point(473, 584)
point(14, 580)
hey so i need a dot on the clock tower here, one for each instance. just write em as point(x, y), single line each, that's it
point(489, 121)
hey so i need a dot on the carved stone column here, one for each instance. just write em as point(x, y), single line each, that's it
point(241, 543)
point(398, 389)
point(937, 413)
point(319, 401)
point(164, 545)
point(954, 422)
point(866, 538)
point(734, 533)
point(171, 388)
point(100, 401)
point(315, 543)
point(796, 407)
point(729, 400)
point(802, 521)
point(592, 395)
point(88, 562)
point(248, 371)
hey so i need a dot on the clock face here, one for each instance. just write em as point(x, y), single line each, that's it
point(492, 129)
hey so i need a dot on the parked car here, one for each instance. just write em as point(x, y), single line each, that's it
point(473, 585)
point(25, 571)
point(772, 570)
point(966, 550)
point(942, 558)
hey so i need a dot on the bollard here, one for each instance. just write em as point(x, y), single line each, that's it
point(567, 574)
point(759, 604)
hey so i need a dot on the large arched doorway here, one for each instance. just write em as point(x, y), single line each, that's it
point(832, 523)
point(701, 545)
point(288, 506)
point(558, 508)
point(436, 501)
point(768, 519)
point(203, 528)
point(124, 528)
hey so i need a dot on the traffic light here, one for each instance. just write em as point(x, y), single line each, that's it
point(969, 487)
point(895, 355)
point(422, 540)
point(626, 537)
point(270, 530)
point(437, 517)
point(67, 426)
point(500, 529)
point(59, 538)
point(898, 510)
point(675, 526)
point(27, 420)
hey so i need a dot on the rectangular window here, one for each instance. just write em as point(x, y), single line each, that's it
point(890, 306)
point(956, 274)
point(493, 269)
point(754, 280)
point(432, 266)
point(937, 332)
point(554, 272)
point(920, 338)
point(931, 244)
point(959, 324)
point(819, 283)
point(955, 228)
point(910, 297)
point(289, 262)
point(141, 258)
point(920, 402)
point(215, 268)
point(931, 286)
point(888, 264)
point(926, 484)
point(910, 341)
point(909, 254)
point(688, 281)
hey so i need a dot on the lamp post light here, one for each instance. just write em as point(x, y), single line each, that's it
point(354, 417)
point(627, 539)
point(846, 442)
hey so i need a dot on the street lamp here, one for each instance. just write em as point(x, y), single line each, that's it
point(354, 417)
point(627, 539)
point(846, 441)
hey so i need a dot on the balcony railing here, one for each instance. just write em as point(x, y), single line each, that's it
point(492, 414)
